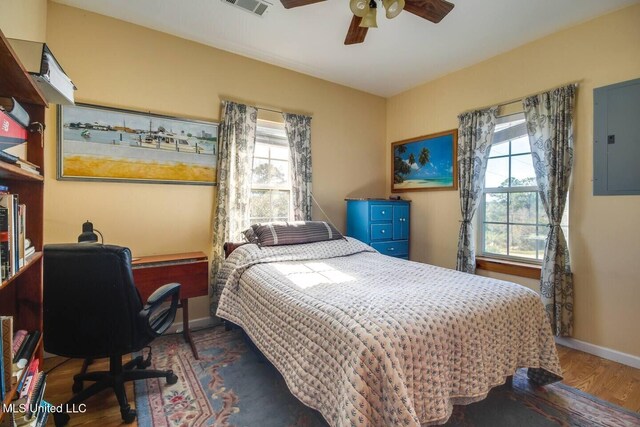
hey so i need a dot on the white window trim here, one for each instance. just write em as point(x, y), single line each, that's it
point(480, 218)
point(273, 134)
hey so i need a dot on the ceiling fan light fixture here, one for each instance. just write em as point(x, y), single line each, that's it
point(370, 19)
point(360, 8)
point(393, 7)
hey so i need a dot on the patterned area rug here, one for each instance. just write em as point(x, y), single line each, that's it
point(232, 386)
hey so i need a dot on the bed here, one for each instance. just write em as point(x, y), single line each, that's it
point(370, 340)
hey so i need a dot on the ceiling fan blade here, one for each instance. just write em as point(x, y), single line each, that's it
point(431, 10)
point(288, 4)
point(356, 33)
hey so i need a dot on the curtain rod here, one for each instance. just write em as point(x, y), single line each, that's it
point(269, 109)
point(516, 100)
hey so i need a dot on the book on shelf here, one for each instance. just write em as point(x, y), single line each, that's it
point(15, 110)
point(3, 390)
point(8, 420)
point(19, 340)
point(7, 349)
point(33, 405)
point(9, 202)
point(21, 359)
point(14, 246)
point(45, 70)
point(4, 243)
point(28, 381)
point(22, 225)
point(21, 163)
point(11, 132)
point(28, 253)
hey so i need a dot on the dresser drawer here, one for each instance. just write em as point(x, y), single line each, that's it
point(381, 231)
point(392, 248)
point(381, 212)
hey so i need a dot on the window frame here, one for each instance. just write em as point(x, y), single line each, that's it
point(271, 134)
point(487, 258)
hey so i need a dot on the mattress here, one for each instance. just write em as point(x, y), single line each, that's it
point(370, 340)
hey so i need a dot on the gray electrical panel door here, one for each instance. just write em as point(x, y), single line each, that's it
point(616, 131)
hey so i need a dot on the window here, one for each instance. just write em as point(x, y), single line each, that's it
point(271, 185)
point(513, 223)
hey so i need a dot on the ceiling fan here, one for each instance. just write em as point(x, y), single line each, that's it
point(364, 13)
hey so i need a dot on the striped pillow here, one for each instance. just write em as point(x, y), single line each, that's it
point(291, 233)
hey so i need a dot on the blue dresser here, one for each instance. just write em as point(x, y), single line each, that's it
point(381, 223)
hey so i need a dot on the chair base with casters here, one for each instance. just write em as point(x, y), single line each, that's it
point(115, 378)
point(92, 310)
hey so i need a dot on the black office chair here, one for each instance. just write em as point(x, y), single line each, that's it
point(93, 310)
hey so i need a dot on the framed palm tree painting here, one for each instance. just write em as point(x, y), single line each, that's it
point(425, 163)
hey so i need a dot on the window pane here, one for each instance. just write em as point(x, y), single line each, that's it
point(520, 145)
point(497, 173)
point(280, 200)
point(542, 214)
point(495, 207)
point(495, 238)
point(260, 171)
point(522, 173)
point(499, 149)
point(261, 150)
point(523, 241)
point(522, 207)
point(281, 153)
point(260, 204)
point(279, 172)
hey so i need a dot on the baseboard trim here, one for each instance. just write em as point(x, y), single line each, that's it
point(604, 352)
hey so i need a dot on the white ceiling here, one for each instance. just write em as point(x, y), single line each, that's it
point(400, 54)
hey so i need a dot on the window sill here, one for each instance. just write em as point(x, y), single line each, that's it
point(532, 271)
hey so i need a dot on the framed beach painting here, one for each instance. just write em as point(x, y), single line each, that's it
point(425, 163)
point(108, 144)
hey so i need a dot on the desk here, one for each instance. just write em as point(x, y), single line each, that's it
point(189, 269)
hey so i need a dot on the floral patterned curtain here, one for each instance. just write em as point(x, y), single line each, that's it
point(549, 118)
point(298, 129)
point(237, 139)
point(475, 133)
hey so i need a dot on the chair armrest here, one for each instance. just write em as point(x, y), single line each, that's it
point(163, 293)
point(157, 324)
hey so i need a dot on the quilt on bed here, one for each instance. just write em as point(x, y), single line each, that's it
point(369, 340)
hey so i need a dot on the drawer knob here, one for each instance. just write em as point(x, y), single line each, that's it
point(382, 212)
point(383, 231)
point(391, 249)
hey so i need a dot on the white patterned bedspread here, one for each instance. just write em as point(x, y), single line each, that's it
point(370, 340)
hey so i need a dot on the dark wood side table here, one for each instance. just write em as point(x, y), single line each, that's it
point(189, 269)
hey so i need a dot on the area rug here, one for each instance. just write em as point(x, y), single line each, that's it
point(232, 386)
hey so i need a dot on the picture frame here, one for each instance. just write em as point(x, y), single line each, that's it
point(97, 143)
point(425, 163)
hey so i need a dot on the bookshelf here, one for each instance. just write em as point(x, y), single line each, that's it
point(21, 294)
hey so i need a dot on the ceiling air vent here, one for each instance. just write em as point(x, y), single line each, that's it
point(257, 7)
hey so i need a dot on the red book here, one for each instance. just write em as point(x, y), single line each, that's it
point(11, 131)
point(30, 379)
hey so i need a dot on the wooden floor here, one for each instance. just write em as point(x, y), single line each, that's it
point(607, 380)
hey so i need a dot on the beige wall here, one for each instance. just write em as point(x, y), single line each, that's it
point(605, 235)
point(24, 19)
point(119, 64)
point(123, 65)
